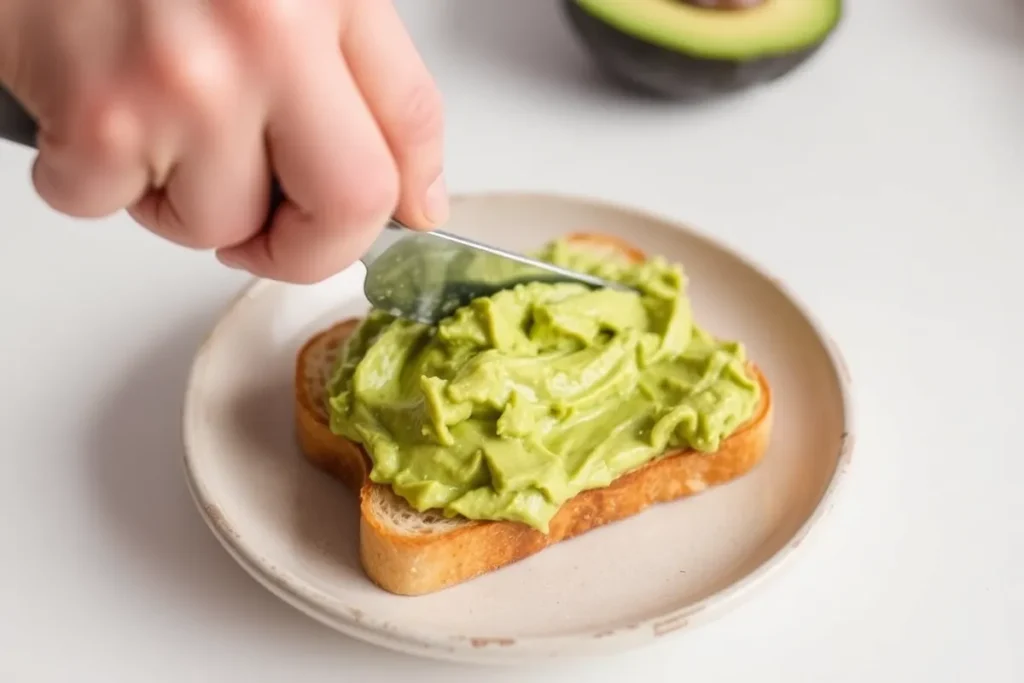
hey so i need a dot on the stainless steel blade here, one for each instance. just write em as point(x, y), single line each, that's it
point(427, 276)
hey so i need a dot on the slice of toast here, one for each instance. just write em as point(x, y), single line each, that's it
point(411, 553)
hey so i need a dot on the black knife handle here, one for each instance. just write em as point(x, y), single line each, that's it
point(16, 124)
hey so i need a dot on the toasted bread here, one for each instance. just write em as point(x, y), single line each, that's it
point(411, 553)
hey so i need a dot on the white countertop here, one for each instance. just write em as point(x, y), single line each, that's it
point(883, 182)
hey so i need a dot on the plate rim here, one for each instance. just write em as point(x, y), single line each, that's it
point(486, 648)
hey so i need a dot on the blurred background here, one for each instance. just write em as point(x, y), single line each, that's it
point(882, 179)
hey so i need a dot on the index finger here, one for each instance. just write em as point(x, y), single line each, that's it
point(336, 170)
point(405, 102)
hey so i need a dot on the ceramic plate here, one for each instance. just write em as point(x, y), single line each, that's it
point(295, 529)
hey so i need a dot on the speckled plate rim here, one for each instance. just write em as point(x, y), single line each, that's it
point(353, 622)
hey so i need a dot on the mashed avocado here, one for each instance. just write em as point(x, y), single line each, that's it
point(521, 400)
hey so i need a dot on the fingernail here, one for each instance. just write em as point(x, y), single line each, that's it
point(230, 260)
point(436, 208)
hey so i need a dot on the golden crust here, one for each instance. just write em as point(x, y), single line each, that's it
point(430, 558)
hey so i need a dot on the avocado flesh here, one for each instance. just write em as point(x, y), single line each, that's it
point(771, 28)
point(671, 48)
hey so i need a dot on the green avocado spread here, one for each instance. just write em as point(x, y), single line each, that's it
point(521, 400)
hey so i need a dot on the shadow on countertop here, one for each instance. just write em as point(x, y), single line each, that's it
point(136, 468)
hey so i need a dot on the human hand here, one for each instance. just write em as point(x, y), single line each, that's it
point(183, 112)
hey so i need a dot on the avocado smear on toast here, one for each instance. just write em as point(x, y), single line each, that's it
point(522, 400)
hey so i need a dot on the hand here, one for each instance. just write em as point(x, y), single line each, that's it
point(182, 112)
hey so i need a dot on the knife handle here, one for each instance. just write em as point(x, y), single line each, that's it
point(16, 124)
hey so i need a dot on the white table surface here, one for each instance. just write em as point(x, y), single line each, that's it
point(884, 182)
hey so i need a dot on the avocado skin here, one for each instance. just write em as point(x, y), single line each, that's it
point(655, 71)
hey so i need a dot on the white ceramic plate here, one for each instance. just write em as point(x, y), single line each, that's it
point(295, 529)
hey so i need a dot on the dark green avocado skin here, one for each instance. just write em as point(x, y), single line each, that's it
point(656, 71)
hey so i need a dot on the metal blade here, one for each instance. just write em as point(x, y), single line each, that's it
point(427, 276)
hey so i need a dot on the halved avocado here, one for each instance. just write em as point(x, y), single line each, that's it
point(686, 49)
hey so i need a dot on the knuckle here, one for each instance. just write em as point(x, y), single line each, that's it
point(200, 78)
point(374, 197)
point(114, 132)
point(99, 129)
point(260, 21)
point(421, 117)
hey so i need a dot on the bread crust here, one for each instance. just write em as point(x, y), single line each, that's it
point(418, 562)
